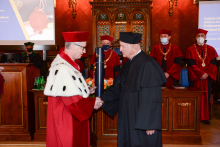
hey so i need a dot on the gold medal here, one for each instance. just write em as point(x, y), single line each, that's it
point(165, 58)
point(105, 66)
point(203, 64)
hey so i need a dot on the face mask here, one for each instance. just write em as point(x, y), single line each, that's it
point(29, 49)
point(106, 47)
point(163, 40)
point(200, 40)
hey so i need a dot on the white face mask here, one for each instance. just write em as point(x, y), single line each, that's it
point(163, 40)
point(200, 40)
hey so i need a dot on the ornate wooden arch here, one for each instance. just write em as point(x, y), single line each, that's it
point(113, 7)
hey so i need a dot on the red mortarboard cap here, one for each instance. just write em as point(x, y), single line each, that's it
point(107, 37)
point(75, 36)
point(163, 31)
point(201, 31)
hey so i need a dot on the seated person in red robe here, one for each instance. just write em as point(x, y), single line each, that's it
point(69, 106)
point(112, 61)
point(1, 81)
point(169, 57)
point(202, 69)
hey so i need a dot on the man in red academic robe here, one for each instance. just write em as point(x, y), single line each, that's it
point(69, 106)
point(201, 64)
point(1, 81)
point(112, 65)
point(169, 57)
point(80, 61)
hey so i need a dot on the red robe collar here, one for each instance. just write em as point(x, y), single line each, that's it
point(69, 60)
point(200, 47)
point(108, 52)
point(165, 46)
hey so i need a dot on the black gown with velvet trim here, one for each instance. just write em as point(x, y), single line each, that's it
point(136, 95)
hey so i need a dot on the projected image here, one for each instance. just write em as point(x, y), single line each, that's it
point(26, 20)
point(209, 19)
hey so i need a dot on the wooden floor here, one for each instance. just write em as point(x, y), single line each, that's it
point(210, 135)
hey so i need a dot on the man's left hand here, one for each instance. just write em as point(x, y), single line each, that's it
point(92, 89)
point(150, 132)
point(166, 75)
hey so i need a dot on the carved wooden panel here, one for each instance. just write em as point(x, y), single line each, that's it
point(41, 102)
point(135, 17)
point(13, 93)
point(165, 116)
point(184, 114)
point(109, 124)
point(16, 103)
point(42, 112)
point(180, 120)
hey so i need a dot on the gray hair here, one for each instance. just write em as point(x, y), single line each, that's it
point(67, 44)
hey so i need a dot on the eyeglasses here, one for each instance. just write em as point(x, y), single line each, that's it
point(83, 48)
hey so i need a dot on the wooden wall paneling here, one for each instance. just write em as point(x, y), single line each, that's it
point(17, 113)
point(180, 119)
point(184, 117)
point(113, 8)
point(40, 106)
point(165, 113)
point(109, 124)
point(184, 114)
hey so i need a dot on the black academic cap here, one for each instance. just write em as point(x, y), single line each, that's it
point(29, 43)
point(130, 37)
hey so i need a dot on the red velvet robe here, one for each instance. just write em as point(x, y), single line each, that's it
point(113, 65)
point(196, 71)
point(1, 84)
point(67, 118)
point(173, 62)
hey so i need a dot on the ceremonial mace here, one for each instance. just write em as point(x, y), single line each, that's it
point(99, 71)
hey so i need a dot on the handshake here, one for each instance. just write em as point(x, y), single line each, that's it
point(98, 101)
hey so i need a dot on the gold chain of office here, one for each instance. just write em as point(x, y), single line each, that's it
point(202, 59)
point(165, 54)
point(105, 60)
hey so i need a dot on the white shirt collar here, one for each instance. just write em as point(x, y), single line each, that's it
point(136, 54)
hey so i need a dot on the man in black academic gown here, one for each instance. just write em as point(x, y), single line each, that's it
point(34, 57)
point(136, 95)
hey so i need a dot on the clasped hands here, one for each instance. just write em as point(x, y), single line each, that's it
point(98, 101)
point(204, 76)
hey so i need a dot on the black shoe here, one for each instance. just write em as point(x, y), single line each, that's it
point(207, 122)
